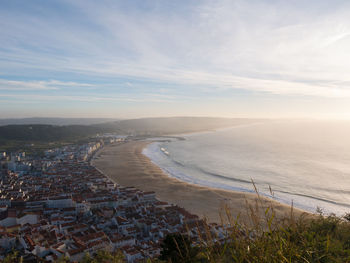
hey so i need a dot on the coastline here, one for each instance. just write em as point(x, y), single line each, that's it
point(125, 164)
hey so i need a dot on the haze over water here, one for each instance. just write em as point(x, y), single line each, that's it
point(306, 162)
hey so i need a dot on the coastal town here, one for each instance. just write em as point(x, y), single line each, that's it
point(58, 205)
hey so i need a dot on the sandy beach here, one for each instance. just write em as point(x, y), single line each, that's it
point(126, 165)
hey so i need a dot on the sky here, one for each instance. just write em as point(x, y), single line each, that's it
point(143, 58)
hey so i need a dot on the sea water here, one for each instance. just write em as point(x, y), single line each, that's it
point(306, 163)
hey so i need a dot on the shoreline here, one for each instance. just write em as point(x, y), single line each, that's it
point(125, 164)
point(189, 180)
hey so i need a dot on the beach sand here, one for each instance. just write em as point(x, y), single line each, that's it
point(125, 164)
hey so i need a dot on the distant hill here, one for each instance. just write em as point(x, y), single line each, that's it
point(173, 125)
point(45, 133)
point(55, 121)
point(147, 126)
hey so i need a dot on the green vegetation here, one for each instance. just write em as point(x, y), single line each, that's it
point(13, 257)
point(320, 239)
point(266, 239)
point(103, 256)
point(177, 248)
point(45, 133)
point(32, 148)
point(34, 139)
point(309, 238)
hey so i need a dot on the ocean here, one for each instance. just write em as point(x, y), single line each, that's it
point(306, 163)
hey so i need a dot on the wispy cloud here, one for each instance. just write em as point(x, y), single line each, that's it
point(38, 85)
point(24, 85)
point(32, 98)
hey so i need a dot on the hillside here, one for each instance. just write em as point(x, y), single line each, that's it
point(173, 125)
point(36, 137)
point(148, 126)
point(45, 133)
point(54, 121)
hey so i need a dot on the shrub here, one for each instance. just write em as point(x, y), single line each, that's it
point(316, 238)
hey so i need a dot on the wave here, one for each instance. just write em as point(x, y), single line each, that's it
point(225, 177)
point(315, 198)
point(232, 179)
point(151, 152)
point(278, 191)
point(217, 175)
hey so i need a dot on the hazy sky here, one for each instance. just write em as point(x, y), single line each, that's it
point(100, 58)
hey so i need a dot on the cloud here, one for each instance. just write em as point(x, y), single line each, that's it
point(38, 85)
point(24, 85)
point(298, 49)
point(35, 98)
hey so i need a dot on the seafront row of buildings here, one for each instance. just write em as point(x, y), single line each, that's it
point(59, 205)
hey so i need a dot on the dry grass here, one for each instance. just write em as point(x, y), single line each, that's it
point(266, 238)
